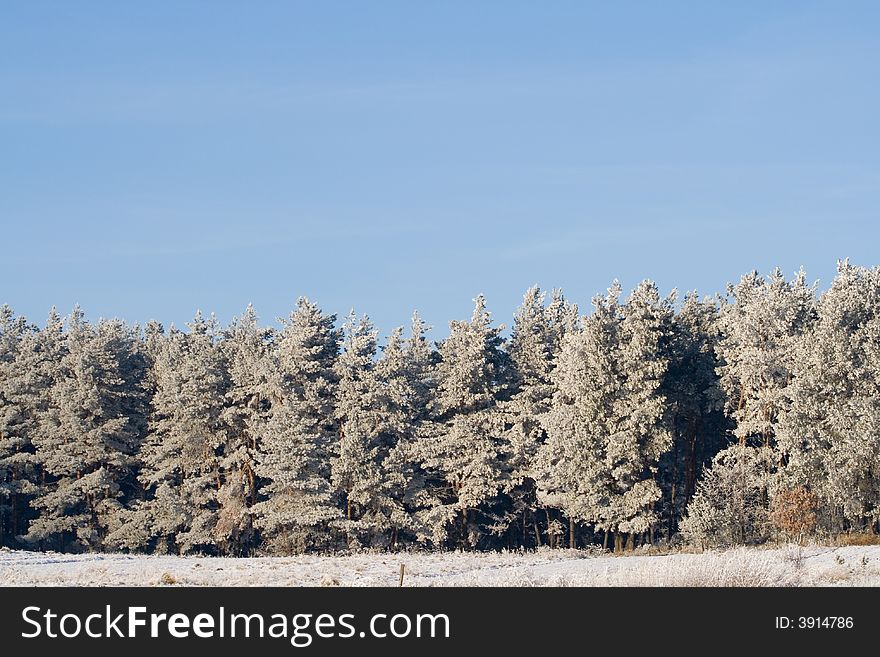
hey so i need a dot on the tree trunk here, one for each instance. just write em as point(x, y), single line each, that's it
point(537, 533)
point(252, 484)
point(572, 539)
point(690, 476)
point(14, 516)
point(605, 540)
point(464, 531)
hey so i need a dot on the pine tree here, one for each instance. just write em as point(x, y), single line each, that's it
point(182, 451)
point(758, 333)
point(356, 467)
point(406, 375)
point(150, 346)
point(640, 433)
point(246, 347)
point(88, 434)
point(18, 466)
point(296, 504)
point(607, 427)
point(534, 343)
point(462, 447)
point(729, 507)
point(27, 386)
point(569, 465)
point(829, 437)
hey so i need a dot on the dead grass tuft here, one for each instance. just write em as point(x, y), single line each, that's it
point(861, 538)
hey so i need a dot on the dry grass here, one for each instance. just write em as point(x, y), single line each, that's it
point(329, 580)
point(863, 538)
point(168, 579)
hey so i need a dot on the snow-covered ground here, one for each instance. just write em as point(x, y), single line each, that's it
point(785, 566)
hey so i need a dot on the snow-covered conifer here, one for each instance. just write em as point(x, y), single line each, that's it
point(296, 502)
point(27, 392)
point(356, 466)
point(640, 434)
point(182, 450)
point(462, 447)
point(535, 340)
point(759, 331)
point(730, 504)
point(88, 434)
point(406, 376)
point(569, 466)
point(246, 346)
point(18, 467)
point(830, 435)
point(607, 428)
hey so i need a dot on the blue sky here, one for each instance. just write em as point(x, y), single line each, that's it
point(156, 158)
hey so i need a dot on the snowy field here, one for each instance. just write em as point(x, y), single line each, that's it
point(784, 566)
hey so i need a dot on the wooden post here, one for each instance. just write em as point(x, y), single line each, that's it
point(402, 569)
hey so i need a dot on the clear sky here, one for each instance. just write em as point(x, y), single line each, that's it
point(159, 157)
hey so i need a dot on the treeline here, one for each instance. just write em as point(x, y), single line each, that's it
point(720, 421)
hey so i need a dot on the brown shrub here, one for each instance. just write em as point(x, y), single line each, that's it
point(793, 512)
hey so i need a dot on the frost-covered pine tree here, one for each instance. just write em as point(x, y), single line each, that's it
point(379, 408)
point(27, 386)
point(356, 466)
point(182, 451)
point(18, 467)
point(607, 428)
point(88, 435)
point(729, 507)
point(759, 331)
point(462, 448)
point(246, 347)
point(150, 346)
point(569, 464)
point(640, 434)
point(829, 437)
point(406, 376)
point(296, 503)
point(534, 343)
